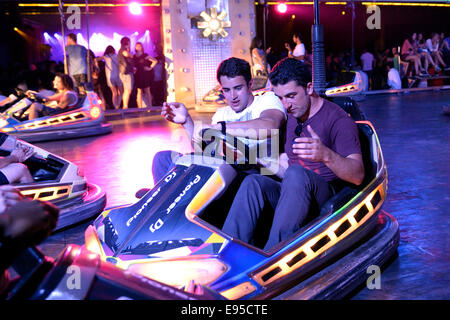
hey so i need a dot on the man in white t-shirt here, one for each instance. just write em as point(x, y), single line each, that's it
point(393, 78)
point(368, 62)
point(299, 51)
point(244, 111)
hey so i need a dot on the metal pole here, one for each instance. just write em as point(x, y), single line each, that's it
point(61, 13)
point(264, 23)
point(318, 72)
point(88, 56)
point(352, 62)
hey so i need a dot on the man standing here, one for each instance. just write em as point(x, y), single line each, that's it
point(393, 77)
point(126, 70)
point(368, 62)
point(299, 50)
point(77, 63)
point(322, 153)
point(245, 111)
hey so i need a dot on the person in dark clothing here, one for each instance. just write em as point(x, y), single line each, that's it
point(322, 153)
point(144, 63)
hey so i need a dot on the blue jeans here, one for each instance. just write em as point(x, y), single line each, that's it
point(163, 163)
point(301, 192)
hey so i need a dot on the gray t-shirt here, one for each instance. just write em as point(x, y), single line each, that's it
point(336, 129)
point(76, 59)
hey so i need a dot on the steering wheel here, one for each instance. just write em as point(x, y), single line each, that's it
point(215, 143)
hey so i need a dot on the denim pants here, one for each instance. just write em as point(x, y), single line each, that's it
point(163, 162)
point(301, 192)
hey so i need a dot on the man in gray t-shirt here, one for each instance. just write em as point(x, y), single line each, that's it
point(77, 62)
point(322, 152)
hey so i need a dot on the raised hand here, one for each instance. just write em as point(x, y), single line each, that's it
point(310, 148)
point(175, 112)
point(9, 196)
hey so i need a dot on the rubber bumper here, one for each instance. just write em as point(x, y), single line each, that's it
point(90, 205)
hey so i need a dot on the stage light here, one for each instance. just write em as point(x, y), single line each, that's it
point(135, 8)
point(282, 8)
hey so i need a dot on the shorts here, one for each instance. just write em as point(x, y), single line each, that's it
point(114, 82)
point(127, 80)
point(47, 111)
point(3, 179)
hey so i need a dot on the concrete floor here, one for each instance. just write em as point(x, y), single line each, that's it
point(414, 136)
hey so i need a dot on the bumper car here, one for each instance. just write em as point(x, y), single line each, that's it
point(61, 182)
point(350, 83)
point(84, 119)
point(173, 233)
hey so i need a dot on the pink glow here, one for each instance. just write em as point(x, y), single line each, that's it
point(282, 8)
point(135, 8)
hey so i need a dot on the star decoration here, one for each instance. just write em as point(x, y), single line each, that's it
point(213, 23)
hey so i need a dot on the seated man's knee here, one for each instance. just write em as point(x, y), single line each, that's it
point(296, 172)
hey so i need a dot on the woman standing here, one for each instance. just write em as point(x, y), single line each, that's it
point(112, 75)
point(259, 58)
point(144, 63)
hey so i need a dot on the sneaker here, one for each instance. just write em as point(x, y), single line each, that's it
point(140, 193)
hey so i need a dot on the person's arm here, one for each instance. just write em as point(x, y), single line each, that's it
point(268, 120)
point(350, 168)
point(153, 61)
point(19, 154)
point(176, 112)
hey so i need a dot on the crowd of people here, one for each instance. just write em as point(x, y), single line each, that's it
point(385, 69)
point(115, 77)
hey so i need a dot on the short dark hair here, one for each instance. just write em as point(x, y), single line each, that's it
point(66, 80)
point(290, 69)
point(73, 37)
point(233, 67)
point(124, 41)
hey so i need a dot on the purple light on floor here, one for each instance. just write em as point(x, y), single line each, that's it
point(135, 8)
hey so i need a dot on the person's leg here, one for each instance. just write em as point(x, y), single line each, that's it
point(148, 97)
point(302, 192)
point(255, 194)
point(17, 173)
point(163, 162)
point(139, 98)
point(33, 111)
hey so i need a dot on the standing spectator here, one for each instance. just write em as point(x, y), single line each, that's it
point(258, 58)
point(77, 62)
point(125, 59)
point(393, 77)
point(112, 75)
point(144, 63)
point(159, 77)
point(433, 47)
point(299, 52)
point(368, 62)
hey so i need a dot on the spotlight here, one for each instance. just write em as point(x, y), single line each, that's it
point(282, 8)
point(135, 8)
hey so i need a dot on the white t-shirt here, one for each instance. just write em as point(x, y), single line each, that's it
point(367, 61)
point(299, 50)
point(431, 47)
point(394, 81)
point(266, 101)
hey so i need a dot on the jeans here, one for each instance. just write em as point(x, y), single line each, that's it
point(163, 163)
point(300, 193)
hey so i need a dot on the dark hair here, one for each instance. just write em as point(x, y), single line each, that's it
point(254, 43)
point(297, 35)
point(109, 50)
point(390, 64)
point(124, 41)
point(66, 80)
point(290, 69)
point(233, 67)
point(73, 37)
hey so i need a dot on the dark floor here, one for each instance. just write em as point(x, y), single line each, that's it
point(414, 135)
